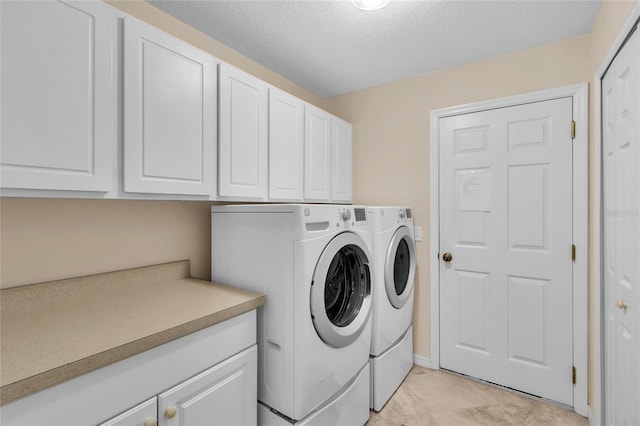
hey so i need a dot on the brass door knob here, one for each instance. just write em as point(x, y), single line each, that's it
point(170, 412)
point(447, 257)
point(621, 304)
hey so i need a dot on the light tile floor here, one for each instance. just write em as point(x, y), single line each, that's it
point(429, 397)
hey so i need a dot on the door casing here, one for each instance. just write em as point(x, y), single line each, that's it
point(579, 94)
point(596, 416)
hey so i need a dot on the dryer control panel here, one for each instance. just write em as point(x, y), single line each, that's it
point(384, 218)
point(403, 215)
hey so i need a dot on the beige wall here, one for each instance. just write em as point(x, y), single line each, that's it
point(44, 240)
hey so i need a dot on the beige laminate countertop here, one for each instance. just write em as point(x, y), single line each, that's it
point(53, 332)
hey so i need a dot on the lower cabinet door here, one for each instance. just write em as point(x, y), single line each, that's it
point(224, 395)
point(144, 414)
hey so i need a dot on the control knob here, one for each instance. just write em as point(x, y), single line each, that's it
point(345, 214)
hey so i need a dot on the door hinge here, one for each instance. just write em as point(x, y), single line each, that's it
point(573, 129)
point(573, 375)
point(573, 252)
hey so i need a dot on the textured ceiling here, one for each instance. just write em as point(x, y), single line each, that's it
point(332, 48)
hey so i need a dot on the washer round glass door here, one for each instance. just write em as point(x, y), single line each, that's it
point(341, 290)
point(400, 267)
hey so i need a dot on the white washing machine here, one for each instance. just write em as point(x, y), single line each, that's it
point(313, 263)
point(394, 270)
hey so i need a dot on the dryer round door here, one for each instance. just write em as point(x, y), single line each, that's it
point(341, 290)
point(400, 267)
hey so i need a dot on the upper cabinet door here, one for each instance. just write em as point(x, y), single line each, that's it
point(317, 154)
point(242, 163)
point(286, 146)
point(341, 170)
point(58, 124)
point(169, 113)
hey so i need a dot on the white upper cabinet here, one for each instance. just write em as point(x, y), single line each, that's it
point(341, 165)
point(58, 86)
point(169, 113)
point(317, 154)
point(327, 157)
point(286, 146)
point(192, 127)
point(242, 144)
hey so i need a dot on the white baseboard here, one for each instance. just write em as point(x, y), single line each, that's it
point(423, 362)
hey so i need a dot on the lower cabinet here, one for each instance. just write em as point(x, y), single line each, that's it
point(208, 377)
point(145, 414)
point(224, 395)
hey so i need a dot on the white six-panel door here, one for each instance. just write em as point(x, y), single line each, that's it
point(506, 220)
point(621, 196)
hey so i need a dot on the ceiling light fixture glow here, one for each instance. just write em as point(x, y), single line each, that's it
point(370, 4)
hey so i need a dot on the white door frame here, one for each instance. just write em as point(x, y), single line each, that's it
point(580, 225)
point(596, 416)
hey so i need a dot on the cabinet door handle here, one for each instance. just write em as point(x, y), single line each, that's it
point(170, 412)
point(151, 421)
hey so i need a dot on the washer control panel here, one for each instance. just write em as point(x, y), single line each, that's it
point(350, 216)
point(361, 214)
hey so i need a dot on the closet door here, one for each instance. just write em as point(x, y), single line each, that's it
point(58, 128)
point(286, 146)
point(169, 113)
point(243, 134)
point(621, 271)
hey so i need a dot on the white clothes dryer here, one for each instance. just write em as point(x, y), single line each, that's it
point(314, 264)
point(394, 270)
